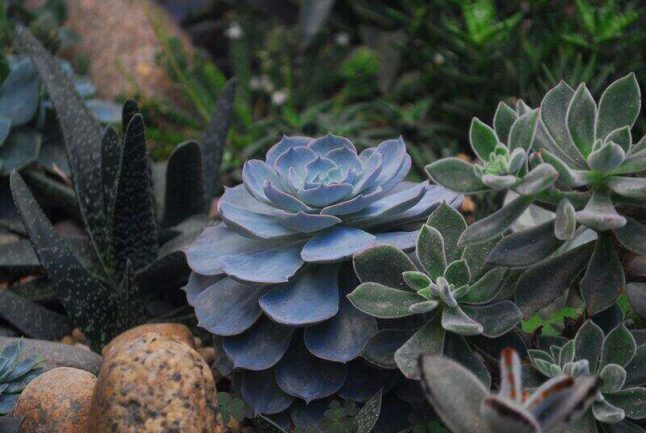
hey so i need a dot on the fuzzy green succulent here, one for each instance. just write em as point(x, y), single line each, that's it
point(448, 285)
point(583, 165)
point(15, 373)
point(616, 360)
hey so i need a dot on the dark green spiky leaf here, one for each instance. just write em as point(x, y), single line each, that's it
point(544, 282)
point(369, 413)
point(18, 259)
point(429, 339)
point(82, 136)
point(430, 251)
point(110, 159)
point(503, 120)
point(483, 139)
point(619, 105)
point(130, 108)
point(184, 184)
point(604, 277)
point(383, 302)
point(383, 264)
point(495, 224)
point(523, 131)
point(581, 116)
point(619, 347)
point(213, 140)
point(450, 223)
point(33, 319)
point(587, 344)
point(455, 174)
point(381, 348)
point(525, 248)
point(88, 301)
point(131, 308)
point(134, 225)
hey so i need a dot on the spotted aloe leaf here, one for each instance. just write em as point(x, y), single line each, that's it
point(184, 195)
point(89, 302)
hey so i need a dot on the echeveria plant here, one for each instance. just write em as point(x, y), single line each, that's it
point(467, 406)
point(16, 371)
point(267, 278)
point(616, 360)
point(449, 286)
point(585, 166)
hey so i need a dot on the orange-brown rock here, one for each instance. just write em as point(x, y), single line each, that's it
point(57, 401)
point(163, 330)
point(154, 385)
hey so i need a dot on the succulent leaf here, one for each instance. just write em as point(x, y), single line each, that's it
point(581, 117)
point(429, 339)
point(184, 195)
point(382, 301)
point(619, 105)
point(383, 264)
point(503, 120)
point(525, 248)
point(565, 220)
point(618, 347)
point(604, 277)
point(523, 131)
point(600, 214)
point(431, 251)
point(587, 344)
point(455, 174)
point(483, 139)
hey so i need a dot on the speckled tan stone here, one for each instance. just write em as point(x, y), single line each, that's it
point(154, 385)
point(57, 401)
point(177, 330)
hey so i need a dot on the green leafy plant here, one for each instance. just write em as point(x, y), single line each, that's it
point(451, 290)
point(16, 372)
point(133, 254)
point(616, 360)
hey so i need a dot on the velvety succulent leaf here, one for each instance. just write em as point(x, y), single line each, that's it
point(457, 348)
point(581, 116)
point(369, 414)
point(342, 338)
point(32, 319)
point(429, 339)
point(503, 120)
point(305, 376)
point(450, 223)
point(638, 147)
point(20, 149)
point(587, 344)
point(526, 247)
point(90, 304)
point(416, 280)
point(82, 138)
point(213, 140)
point(278, 265)
point(631, 187)
point(381, 348)
point(636, 293)
point(607, 413)
point(19, 93)
point(630, 400)
point(523, 131)
point(554, 108)
point(260, 390)
point(565, 220)
point(600, 214)
point(636, 369)
point(336, 244)
point(570, 177)
point(634, 163)
point(227, 307)
point(619, 347)
point(134, 224)
point(483, 139)
point(455, 174)
point(567, 353)
point(496, 319)
point(383, 264)
point(619, 105)
point(430, 251)
point(291, 304)
point(452, 389)
point(498, 182)
point(537, 180)
point(622, 137)
point(485, 289)
point(184, 195)
point(458, 273)
point(544, 282)
point(607, 158)
point(495, 224)
point(454, 319)
point(476, 254)
point(604, 278)
point(383, 302)
point(260, 347)
point(624, 426)
point(614, 378)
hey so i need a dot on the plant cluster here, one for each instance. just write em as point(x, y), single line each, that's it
point(16, 371)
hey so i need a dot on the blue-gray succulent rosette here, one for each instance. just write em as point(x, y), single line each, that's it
point(268, 279)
